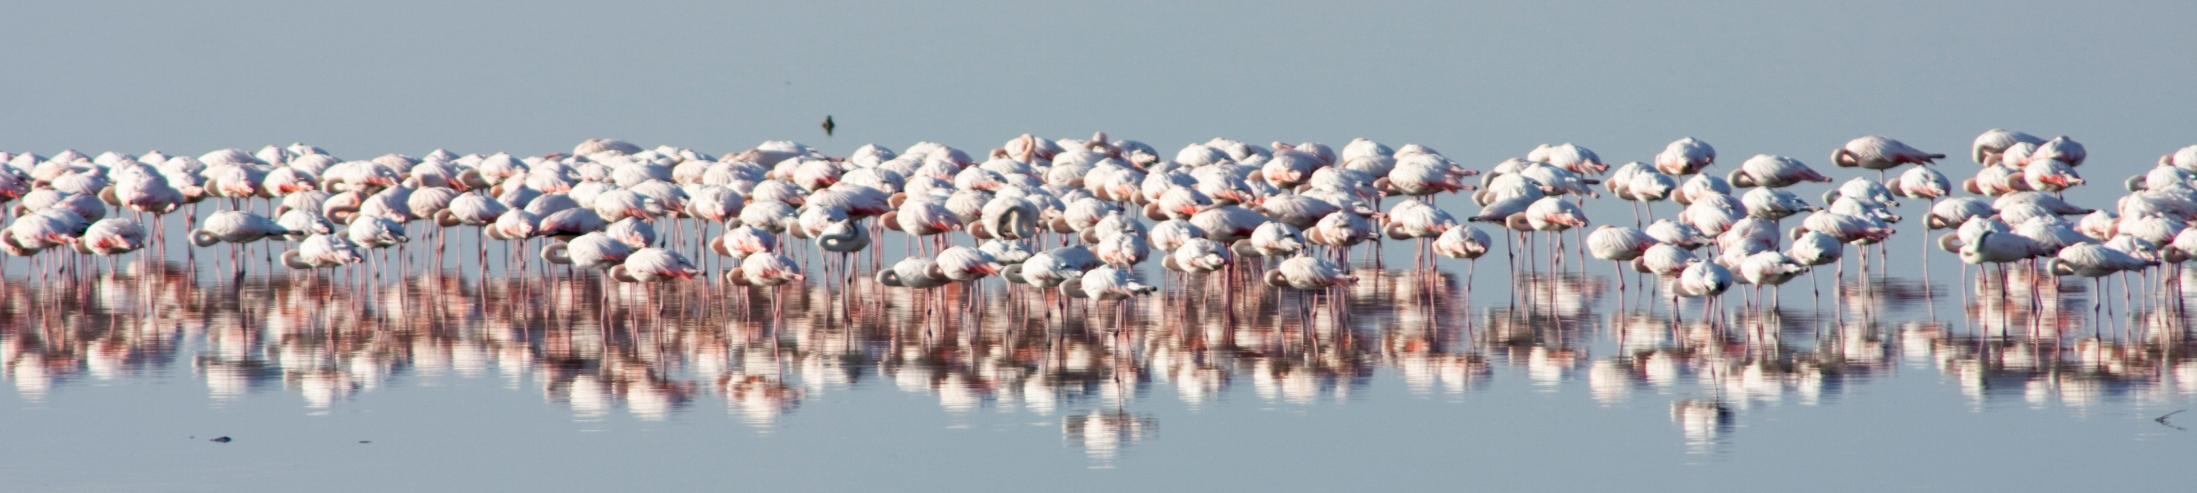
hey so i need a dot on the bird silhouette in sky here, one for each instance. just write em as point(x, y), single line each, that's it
point(828, 125)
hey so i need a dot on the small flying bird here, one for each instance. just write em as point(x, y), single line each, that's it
point(828, 125)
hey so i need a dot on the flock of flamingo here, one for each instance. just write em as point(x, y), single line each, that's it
point(1074, 218)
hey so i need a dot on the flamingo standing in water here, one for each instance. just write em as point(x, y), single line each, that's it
point(2094, 261)
point(1418, 221)
point(1704, 280)
point(1989, 148)
point(654, 265)
point(236, 228)
point(1620, 245)
point(1555, 215)
point(1772, 171)
point(112, 237)
point(1685, 156)
point(1880, 153)
point(1107, 283)
point(1463, 242)
point(1308, 273)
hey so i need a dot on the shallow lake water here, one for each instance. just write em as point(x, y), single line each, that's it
point(1488, 376)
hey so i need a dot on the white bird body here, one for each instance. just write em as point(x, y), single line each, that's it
point(375, 232)
point(1685, 157)
point(1665, 260)
point(1765, 170)
point(1951, 213)
point(1922, 182)
point(114, 236)
point(654, 265)
point(1860, 207)
point(305, 222)
point(1110, 283)
point(2093, 260)
point(235, 227)
point(1464, 242)
point(1812, 248)
point(1555, 214)
point(962, 263)
point(1702, 280)
point(1769, 268)
point(1618, 243)
point(2157, 230)
point(1170, 234)
point(1711, 215)
point(1999, 248)
point(740, 242)
point(1043, 270)
point(1308, 273)
point(1879, 153)
point(1342, 230)
point(2062, 149)
point(1847, 228)
point(765, 269)
point(471, 209)
point(1570, 157)
point(1413, 219)
point(1297, 210)
point(1677, 234)
point(36, 231)
point(1199, 255)
point(1994, 181)
point(2049, 202)
point(1228, 223)
point(1699, 186)
point(2184, 158)
point(1650, 186)
point(923, 273)
point(595, 251)
point(1277, 240)
point(1987, 148)
point(1773, 204)
point(1123, 250)
point(321, 251)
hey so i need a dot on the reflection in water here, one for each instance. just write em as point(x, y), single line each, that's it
point(656, 351)
point(1102, 434)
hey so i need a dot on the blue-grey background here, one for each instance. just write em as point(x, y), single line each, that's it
point(1478, 81)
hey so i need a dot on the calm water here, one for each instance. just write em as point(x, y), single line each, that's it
point(1530, 381)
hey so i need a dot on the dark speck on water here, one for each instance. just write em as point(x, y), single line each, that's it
point(221, 439)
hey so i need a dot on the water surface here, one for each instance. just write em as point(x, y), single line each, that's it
point(1526, 381)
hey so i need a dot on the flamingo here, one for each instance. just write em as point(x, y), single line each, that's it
point(1813, 249)
point(1618, 244)
point(1107, 283)
point(1992, 144)
point(1414, 220)
point(2095, 262)
point(1769, 268)
point(1686, 156)
point(1463, 242)
point(110, 237)
point(235, 228)
point(654, 265)
point(1704, 280)
point(1198, 255)
point(1765, 170)
point(1880, 153)
point(321, 251)
point(1308, 273)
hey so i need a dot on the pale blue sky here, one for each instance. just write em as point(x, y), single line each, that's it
point(1478, 82)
